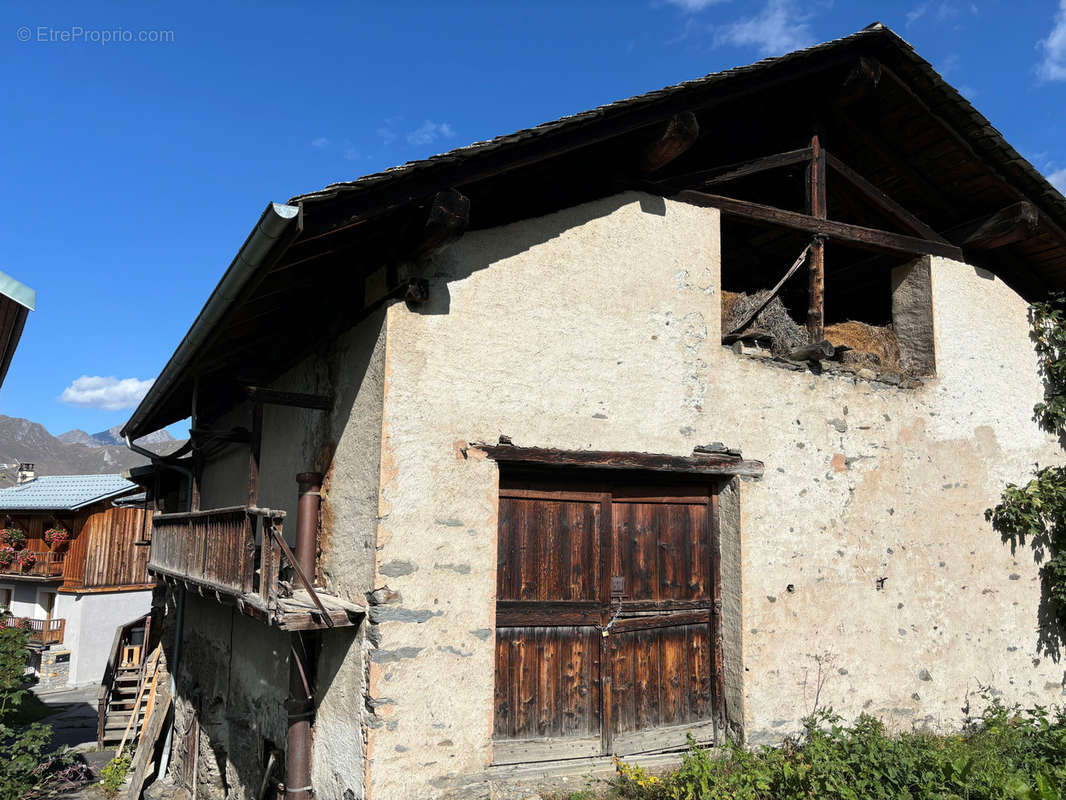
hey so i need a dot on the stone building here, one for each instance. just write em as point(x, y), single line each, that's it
point(516, 381)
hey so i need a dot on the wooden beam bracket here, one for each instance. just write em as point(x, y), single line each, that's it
point(679, 134)
point(260, 395)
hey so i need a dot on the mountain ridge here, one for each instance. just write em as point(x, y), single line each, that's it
point(72, 453)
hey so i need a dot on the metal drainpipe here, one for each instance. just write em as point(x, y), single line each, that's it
point(301, 703)
point(310, 484)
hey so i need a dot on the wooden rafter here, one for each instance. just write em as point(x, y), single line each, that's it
point(878, 198)
point(1010, 224)
point(732, 172)
point(857, 235)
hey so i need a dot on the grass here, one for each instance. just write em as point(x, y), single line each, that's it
point(1006, 753)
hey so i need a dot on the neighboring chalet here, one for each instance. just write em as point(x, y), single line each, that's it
point(73, 550)
point(16, 302)
point(465, 499)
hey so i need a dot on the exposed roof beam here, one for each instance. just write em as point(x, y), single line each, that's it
point(1010, 224)
point(732, 172)
point(874, 195)
point(698, 463)
point(866, 238)
point(679, 134)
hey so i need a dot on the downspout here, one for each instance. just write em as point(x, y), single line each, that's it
point(301, 705)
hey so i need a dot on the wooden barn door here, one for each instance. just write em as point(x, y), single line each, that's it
point(604, 620)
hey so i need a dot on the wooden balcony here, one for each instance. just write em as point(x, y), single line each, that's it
point(236, 554)
point(47, 567)
point(40, 631)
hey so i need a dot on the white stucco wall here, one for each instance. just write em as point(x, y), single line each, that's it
point(598, 328)
point(91, 621)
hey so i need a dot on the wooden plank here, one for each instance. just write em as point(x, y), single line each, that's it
point(865, 238)
point(254, 450)
point(1014, 223)
point(674, 737)
point(546, 749)
point(703, 464)
point(715, 566)
point(624, 625)
point(673, 676)
point(153, 728)
point(502, 718)
point(623, 680)
point(878, 198)
point(647, 672)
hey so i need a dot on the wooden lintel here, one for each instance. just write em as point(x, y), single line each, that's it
point(865, 238)
point(878, 198)
point(732, 172)
point(678, 135)
point(298, 399)
point(703, 464)
point(1011, 224)
point(861, 81)
point(447, 219)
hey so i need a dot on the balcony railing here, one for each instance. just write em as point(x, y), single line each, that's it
point(49, 564)
point(40, 631)
point(217, 548)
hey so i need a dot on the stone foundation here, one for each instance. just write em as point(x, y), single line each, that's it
point(54, 670)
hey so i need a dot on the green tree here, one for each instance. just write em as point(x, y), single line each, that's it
point(25, 768)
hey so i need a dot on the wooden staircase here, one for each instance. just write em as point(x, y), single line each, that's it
point(122, 699)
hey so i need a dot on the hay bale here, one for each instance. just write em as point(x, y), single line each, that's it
point(879, 341)
point(773, 321)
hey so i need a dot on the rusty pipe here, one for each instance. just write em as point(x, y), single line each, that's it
point(307, 515)
point(300, 707)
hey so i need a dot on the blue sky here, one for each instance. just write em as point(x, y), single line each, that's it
point(134, 170)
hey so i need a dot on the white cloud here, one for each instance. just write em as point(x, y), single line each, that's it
point(1058, 180)
point(694, 6)
point(779, 28)
point(110, 394)
point(1053, 48)
point(320, 142)
point(429, 132)
point(941, 11)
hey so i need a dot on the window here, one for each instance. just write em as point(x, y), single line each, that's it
point(605, 616)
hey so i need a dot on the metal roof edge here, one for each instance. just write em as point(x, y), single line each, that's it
point(18, 291)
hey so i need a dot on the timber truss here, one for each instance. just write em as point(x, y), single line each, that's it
point(1010, 224)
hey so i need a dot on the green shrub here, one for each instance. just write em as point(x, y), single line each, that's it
point(1006, 753)
point(114, 773)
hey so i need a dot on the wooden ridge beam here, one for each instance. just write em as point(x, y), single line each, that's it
point(732, 172)
point(874, 195)
point(857, 235)
point(1011, 224)
point(678, 135)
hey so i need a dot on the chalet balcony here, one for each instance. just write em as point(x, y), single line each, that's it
point(40, 631)
point(235, 553)
point(48, 566)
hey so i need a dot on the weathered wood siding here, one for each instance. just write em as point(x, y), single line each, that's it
point(112, 556)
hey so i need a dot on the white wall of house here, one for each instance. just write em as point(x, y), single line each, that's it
point(91, 620)
point(25, 598)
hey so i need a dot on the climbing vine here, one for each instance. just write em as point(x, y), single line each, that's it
point(1035, 514)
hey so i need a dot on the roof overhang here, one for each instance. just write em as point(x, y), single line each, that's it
point(317, 277)
point(16, 302)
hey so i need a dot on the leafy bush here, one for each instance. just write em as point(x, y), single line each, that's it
point(114, 773)
point(1005, 754)
point(26, 769)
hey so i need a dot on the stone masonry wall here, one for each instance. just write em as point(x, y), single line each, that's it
point(598, 328)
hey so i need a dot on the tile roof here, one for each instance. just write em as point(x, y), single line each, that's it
point(62, 492)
